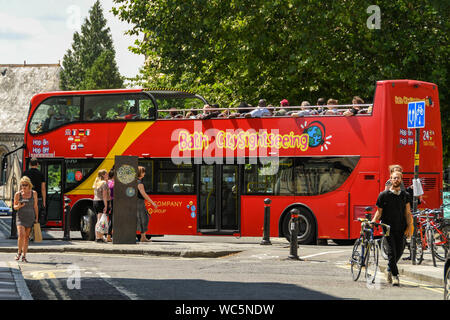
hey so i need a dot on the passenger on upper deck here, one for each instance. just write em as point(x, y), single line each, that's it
point(60, 118)
point(173, 114)
point(132, 114)
point(215, 110)
point(121, 112)
point(208, 113)
point(50, 114)
point(355, 109)
point(228, 113)
point(282, 111)
point(244, 108)
point(192, 114)
point(260, 111)
point(331, 110)
point(320, 102)
point(305, 111)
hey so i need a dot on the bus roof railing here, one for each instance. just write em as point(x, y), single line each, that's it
point(165, 93)
point(275, 108)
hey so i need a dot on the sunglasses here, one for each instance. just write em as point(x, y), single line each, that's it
point(24, 185)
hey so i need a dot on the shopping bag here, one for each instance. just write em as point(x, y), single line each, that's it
point(37, 234)
point(417, 187)
point(103, 224)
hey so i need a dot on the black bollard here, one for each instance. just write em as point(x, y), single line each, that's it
point(413, 243)
point(66, 236)
point(13, 234)
point(293, 226)
point(266, 230)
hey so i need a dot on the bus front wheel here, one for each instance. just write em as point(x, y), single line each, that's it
point(307, 227)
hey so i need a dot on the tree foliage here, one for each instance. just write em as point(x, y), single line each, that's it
point(90, 63)
point(296, 49)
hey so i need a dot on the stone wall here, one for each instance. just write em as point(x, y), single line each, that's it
point(18, 84)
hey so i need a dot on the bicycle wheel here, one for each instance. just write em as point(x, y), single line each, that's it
point(356, 260)
point(430, 242)
point(419, 250)
point(440, 246)
point(384, 248)
point(371, 262)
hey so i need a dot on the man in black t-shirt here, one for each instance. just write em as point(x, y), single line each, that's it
point(38, 181)
point(394, 210)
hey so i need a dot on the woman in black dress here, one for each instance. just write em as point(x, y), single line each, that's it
point(26, 205)
point(142, 214)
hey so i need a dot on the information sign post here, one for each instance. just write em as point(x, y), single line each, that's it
point(125, 199)
point(416, 120)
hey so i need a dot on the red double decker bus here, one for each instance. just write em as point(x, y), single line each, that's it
point(211, 175)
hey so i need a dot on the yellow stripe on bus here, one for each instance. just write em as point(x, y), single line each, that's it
point(130, 133)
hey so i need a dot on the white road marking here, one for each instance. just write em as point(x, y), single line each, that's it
point(122, 290)
point(47, 290)
point(321, 253)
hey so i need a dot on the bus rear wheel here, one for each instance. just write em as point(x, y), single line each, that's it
point(307, 227)
point(87, 225)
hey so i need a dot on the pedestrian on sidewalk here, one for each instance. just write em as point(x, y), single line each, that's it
point(142, 213)
point(38, 181)
point(111, 192)
point(394, 210)
point(26, 205)
point(101, 198)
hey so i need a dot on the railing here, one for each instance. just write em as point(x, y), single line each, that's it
point(317, 110)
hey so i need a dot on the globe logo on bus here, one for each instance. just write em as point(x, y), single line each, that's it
point(315, 136)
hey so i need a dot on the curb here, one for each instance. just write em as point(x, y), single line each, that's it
point(21, 285)
point(141, 251)
point(415, 275)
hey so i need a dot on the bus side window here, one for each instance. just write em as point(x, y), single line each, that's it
point(55, 112)
point(117, 107)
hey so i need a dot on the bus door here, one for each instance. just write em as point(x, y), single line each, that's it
point(53, 172)
point(218, 199)
point(364, 193)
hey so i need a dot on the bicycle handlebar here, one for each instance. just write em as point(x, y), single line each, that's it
point(370, 223)
point(427, 213)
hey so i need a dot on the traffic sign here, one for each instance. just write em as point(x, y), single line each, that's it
point(416, 114)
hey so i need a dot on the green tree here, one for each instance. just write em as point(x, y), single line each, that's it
point(90, 63)
point(103, 73)
point(294, 49)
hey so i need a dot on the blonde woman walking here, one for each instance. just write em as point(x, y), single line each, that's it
point(26, 205)
point(101, 198)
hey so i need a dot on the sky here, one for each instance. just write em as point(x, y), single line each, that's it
point(41, 32)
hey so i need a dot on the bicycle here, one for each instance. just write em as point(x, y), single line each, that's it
point(365, 250)
point(429, 236)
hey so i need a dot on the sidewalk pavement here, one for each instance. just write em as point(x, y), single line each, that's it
point(12, 284)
